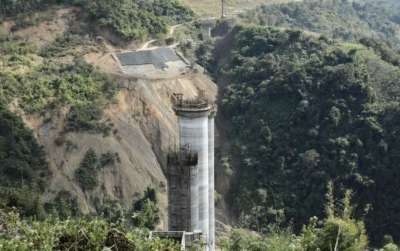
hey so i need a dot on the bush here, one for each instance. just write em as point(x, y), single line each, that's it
point(106, 159)
point(389, 247)
point(74, 234)
point(83, 117)
point(22, 159)
point(146, 212)
point(86, 174)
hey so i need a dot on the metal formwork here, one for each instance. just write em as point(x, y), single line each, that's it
point(182, 190)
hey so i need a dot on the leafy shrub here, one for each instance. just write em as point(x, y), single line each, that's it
point(52, 85)
point(106, 159)
point(16, 46)
point(63, 206)
point(86, 174)
point(74, 234)
point(83, 117)
point(22, 160)
point(338, 231)
point(389, 247)
point(65, 44)
point(146, 211)
point(110, 209)
point(24, 199)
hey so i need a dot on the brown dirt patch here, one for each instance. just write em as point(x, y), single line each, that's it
point(50, 24)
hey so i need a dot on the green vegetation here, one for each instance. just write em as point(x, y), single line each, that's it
point(86, 173)
point(382, 48)
point(130, 19)
point(67, 43)
point(22, 160)
point(24, 172)
point(109, 208)
point(336, 232)
point(24, 199)
point(212, 8)
point(146, 212)
point(304, 110)
point(41, 81)
point(63, 206)
point(349, 20)
point(47, 86)
point(52, 85)
point(83, 117)
point(71, 234)
point(107, 159)
point(12, 46)
point(135, 20)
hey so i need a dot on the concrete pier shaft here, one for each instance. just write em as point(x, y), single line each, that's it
point(196, 131)
point(193, 131)
point(211, 211)
point(194, 199)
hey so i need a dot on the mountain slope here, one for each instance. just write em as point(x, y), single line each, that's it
point(54, 77)
point(145, 127)
point(347, 20)
point(304, 110)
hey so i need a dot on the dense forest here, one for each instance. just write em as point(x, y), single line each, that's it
point(305, 110)
point(309, 107)
point(348, 20)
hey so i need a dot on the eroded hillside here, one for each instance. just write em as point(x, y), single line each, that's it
point(131, 137)
point(144, 127)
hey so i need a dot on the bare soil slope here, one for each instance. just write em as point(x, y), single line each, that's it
point(144, 126)
point(143, 123)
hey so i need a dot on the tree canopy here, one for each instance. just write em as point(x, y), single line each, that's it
point(306, 109)
point(130, 19)
point(347, 20)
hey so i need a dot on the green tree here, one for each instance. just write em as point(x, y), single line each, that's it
point(86, 173)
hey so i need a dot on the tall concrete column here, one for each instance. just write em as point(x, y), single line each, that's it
point(211, 217)
point(193, 131)
point(194, 199)
point(196, 131)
